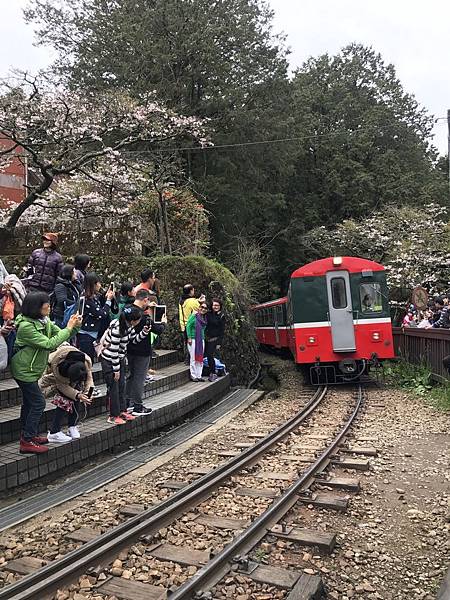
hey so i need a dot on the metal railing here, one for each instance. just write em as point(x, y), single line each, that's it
point(427, 346)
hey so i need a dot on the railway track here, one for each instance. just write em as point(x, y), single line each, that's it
point(94, 556)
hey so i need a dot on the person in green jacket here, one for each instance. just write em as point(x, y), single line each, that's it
point(195, 331)
point(36, 337)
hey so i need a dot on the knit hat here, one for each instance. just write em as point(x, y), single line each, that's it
point(52, 237)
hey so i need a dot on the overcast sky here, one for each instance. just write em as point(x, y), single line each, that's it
point(411, 34)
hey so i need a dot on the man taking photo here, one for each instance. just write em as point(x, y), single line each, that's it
point(140, 354)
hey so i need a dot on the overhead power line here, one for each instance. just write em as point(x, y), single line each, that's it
point(310, 136)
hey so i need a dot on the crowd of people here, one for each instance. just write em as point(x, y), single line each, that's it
point(59, 319)
point(437, 315)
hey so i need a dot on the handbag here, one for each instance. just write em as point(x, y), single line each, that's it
point(8, 308)
point(101, 344)
point(62, 402)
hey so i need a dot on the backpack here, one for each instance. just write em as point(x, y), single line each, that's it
point(220, 367)
point(68, 312)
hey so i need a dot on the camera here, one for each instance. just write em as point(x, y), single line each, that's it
point(148, 321)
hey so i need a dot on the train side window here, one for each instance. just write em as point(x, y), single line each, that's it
point(371, 297)
point(338, 292)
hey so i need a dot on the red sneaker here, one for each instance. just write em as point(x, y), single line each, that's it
point(40, 439)
point(116, 420)
point(31, 447)
point(127, 416)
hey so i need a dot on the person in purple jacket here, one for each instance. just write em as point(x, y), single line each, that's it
point(44, 265)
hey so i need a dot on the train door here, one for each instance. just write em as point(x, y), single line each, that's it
point(340, 311)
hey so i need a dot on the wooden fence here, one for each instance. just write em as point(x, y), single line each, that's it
point(428, 346)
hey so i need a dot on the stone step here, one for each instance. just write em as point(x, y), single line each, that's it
point(98, 436)
point(10, 394)
point(166, 379)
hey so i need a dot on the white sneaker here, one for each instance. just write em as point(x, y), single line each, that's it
point(58, 438)
point(74, 433)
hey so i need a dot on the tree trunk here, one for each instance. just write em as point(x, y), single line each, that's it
point(165, 224)
point(29, 200)
point(196, 234)
point(160, 230)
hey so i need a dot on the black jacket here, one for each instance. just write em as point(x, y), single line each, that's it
point(144, 347)
point(65, 294)
point(444, 319)
point(215, 327)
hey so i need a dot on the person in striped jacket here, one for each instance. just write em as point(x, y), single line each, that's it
point(119, 334)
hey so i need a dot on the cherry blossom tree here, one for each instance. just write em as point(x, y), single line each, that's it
point(92, 139)
point(413, 245)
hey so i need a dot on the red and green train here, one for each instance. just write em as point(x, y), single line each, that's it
point(335, 319)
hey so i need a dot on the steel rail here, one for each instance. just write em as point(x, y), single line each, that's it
point(220, 565)
point(42, 583)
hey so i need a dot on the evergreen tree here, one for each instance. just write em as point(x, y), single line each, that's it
point(211, 58)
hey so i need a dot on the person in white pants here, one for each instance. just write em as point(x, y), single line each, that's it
point(195, 367)
point(195, 329)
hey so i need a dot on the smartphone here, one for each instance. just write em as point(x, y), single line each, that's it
point(90, 392)
point(160, 311)
point(81, 305)
point(112, 287)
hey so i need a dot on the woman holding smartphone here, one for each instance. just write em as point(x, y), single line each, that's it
point(94, 314)
point(68, 383)
point(36, 337)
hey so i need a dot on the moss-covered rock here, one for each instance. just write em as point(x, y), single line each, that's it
point(239, 351)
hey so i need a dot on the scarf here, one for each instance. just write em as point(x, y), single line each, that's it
point(200, 324)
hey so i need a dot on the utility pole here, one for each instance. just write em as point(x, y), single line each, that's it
point(448, 147)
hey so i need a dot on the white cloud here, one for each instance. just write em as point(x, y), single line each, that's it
point(16, 40)
point(411, 34)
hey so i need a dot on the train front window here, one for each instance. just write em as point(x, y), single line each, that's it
point(371, 297)
point(338, 292)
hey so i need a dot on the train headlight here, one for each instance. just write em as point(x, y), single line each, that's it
point(376, 336)
point(312, 340)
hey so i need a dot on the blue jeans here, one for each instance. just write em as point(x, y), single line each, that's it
point(33, 405)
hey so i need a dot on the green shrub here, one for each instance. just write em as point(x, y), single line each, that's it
point(418, 380)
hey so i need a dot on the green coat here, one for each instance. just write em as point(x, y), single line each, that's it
point(190, 327)
point(34, 342)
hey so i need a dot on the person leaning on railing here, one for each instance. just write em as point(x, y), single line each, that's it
point(443, 322)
